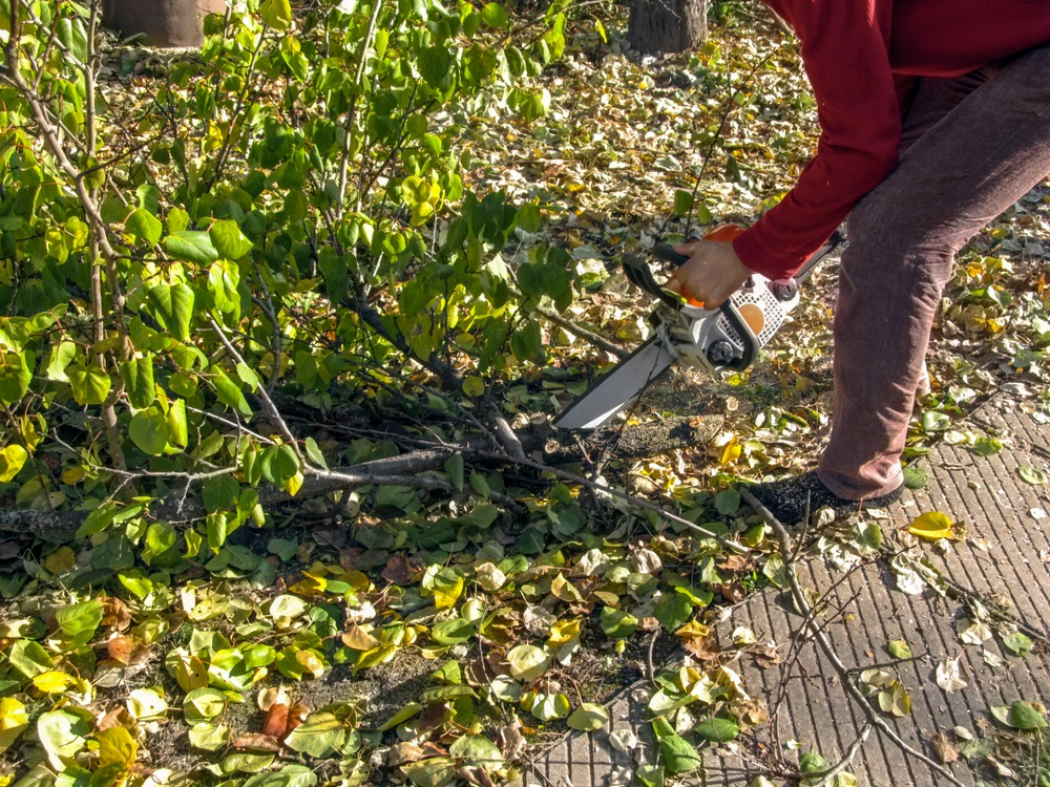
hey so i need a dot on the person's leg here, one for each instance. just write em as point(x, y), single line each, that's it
point(969, 167)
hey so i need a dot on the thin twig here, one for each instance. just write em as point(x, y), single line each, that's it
point(845, 676)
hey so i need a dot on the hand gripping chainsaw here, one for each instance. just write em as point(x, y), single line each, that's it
point(714, 339)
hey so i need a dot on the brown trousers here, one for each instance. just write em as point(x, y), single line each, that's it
point(971, 147)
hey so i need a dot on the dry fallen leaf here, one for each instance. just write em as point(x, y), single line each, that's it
point(950, 675)
point(943, 748)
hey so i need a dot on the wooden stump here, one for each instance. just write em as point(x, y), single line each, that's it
point(667, 26)
point(161, 23)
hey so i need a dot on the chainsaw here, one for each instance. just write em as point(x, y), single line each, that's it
point(727, 338)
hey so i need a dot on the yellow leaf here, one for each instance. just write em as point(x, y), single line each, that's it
point(357, 638)
point(357, 580)
point(445, 597)
point(73, 475)
point(565, 590)
point(11, 460)
point(376, 656)
point(52, 682)
point(294, 484)
point(312, 585)
point(932, 526)
point(565, 631)
point(147, 703)
point(60, 561)
point(731, 452)
point(310, 663)
point(693, 630)
point(191, 673)
point(13, 720)
point(116, 747)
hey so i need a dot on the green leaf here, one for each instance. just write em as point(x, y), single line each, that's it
point(1023, 716)
point(178, 426)
point(203, 705)
point(144, 226)
point(1032, 475)
point(229, 241)
point(220, 492)
point(80, 621)
point(63, 735)
point(476, 750)
point(276, 13)
point(403, 715)
point(529, 218)
point(678, 754)
point(454, 468)
point(313, 452)
point(289, 776)
point(283, 466)
point(548, 707)
point(915, 477)
point(61, 356)
point(650, 775)
point(72, 32)
point(172, 307)
point(89, 383)
point(283, 548)
point(899, 649)
point(191, 246)
point(1017, 643)
point(208, 736)
point(588, 717)
point(494, 15)
point(935, 421)
point(16, 372)
point(812, 762)
point(683, 202)
point(717, 730)
point(527, 344)
point(528, 662)
point(673, 610)
point(618, 624)
point(431, 772)
point(319, 736)
point(434, 65)
point(452, 632)
point(229, 393)
point(727, 501)
point(149, 431)
point(30, 658)
point(987, 446)
point(160, 537)
point(138, 382)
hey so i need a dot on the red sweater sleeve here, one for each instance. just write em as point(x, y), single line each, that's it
point(845, 50)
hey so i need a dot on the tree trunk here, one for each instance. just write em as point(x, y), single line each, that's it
point(665, 26)
point(161, 23)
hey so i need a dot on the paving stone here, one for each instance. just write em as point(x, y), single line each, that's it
point(1006, 556)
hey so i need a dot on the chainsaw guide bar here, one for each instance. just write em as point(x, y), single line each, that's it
point(727, 338)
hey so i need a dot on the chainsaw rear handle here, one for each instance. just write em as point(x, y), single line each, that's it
point(750, 342)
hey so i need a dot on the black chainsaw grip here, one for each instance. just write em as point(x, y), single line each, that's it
point(747, 337)
point(667, 253)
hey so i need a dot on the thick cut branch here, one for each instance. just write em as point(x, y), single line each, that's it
point(631, 442)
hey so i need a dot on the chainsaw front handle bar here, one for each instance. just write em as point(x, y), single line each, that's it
point(750, 342)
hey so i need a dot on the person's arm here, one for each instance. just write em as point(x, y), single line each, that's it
point(845, 52)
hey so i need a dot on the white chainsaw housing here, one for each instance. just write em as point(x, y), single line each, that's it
point(692, 331)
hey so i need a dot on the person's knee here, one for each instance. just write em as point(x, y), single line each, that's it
point(889, 249)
